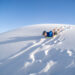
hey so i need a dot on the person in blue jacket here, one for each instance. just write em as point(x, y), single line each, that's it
point(50, 33)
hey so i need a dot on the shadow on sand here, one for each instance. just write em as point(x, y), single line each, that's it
point(18, 39)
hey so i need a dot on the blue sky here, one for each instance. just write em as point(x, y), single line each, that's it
point(18, 13)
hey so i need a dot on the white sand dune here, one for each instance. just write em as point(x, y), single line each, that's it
point(25, 51)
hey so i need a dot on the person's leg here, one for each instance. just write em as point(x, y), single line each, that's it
point(60, 29)
point(57, 30)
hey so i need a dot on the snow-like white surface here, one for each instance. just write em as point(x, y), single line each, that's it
point(25, 51)
point(48, 66)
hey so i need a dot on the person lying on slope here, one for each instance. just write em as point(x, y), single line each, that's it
point(51, 33)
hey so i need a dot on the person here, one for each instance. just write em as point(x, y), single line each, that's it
point(51, 33)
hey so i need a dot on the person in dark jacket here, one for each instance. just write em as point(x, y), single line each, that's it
point(51, 33)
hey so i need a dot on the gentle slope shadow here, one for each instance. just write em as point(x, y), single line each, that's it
point(18, 39)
